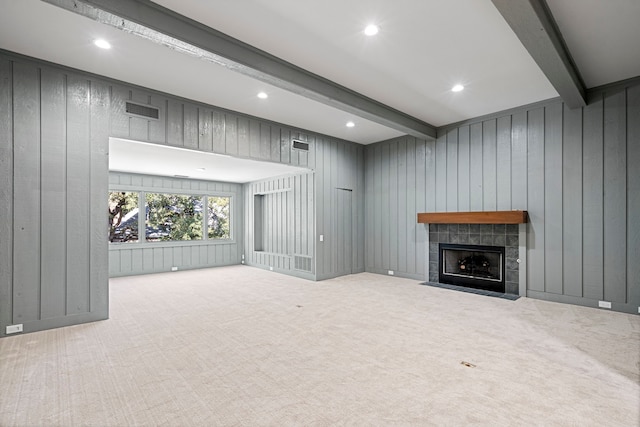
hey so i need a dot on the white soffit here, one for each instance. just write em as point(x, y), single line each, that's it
point(153, 159)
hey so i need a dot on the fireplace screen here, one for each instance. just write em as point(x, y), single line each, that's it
point(471, 265)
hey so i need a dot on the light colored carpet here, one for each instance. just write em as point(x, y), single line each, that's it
point(238, 346)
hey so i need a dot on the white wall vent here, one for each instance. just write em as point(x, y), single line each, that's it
point(296, 144)
point(141, 110)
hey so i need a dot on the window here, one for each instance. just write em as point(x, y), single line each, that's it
point(173, 217)
point(123, 216)
point(219, 218)
point(168, 217)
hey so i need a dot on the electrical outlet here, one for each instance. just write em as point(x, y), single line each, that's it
point(13, 329)
point(390, 272)
point(270, 268)
point(322, 237)
point(174, 268)
point(604, 304)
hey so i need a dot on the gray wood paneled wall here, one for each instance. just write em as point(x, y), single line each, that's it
point(53, 154)
point(127, 259)
point(55, 124)
point(399, 182)
point(339, 167)
point(575, 171)
point(279, 215)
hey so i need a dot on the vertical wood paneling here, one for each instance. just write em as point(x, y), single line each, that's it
point(384, 206)
point(475, 172)
point(26, 190)
point(175, 123)
point(158, 259)
point(6, 193)
point(205, 130)
point(119, 119)
point(378, 206)
point(136, 260)
point(441, 173)
point(368, 205)
point(78, 194)
point(358, 207)
point(503, 163)
point(615, 197)
point(553, 198)
point(633, 195)
point(593, 187)
point(285, 146)
point(418, 231)
point(535, 195)
point(114, 262)
point(191, 126)
point(53, 176)
point(167, 257)
point(244, 148)
point(231, 134)
point(218, 132)
point(260, 140)
point(572, 201)
point(430, 178)
point(489, 184)
point(406, 214)
point(394, 223)
point(275, 143)
point(415, 172)
point(158, 128)
point(463, 168)
point(519, 164)
point(147, 259)
point(452, 170)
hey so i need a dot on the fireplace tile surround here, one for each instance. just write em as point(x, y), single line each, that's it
point(506, 235)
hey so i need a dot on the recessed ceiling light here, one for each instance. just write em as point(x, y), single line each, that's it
point(457, 88)
point(102, 43)
point(263, 95)
point(350, 124)
point(371, 30)
point(200, 169)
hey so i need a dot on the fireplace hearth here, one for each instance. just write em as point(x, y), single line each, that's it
point(475, 266)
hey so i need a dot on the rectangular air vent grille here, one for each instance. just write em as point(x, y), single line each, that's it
point(300, 145)
point(142, 111)
point(302, 263)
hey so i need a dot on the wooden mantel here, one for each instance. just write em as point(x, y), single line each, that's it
point(488, 217)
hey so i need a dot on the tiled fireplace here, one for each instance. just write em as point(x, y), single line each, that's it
point(477, 235)
point(484, 250)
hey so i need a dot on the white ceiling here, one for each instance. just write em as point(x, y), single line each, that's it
point(423, 49)
point(603, 37)
point(152, 159)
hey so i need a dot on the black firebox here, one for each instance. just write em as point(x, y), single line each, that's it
point(473, 266)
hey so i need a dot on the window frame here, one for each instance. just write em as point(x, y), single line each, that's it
point(205, 241)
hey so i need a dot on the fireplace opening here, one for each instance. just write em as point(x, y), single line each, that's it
point(473, 266)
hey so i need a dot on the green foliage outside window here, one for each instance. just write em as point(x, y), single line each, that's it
point(123, 216)
point(173, 217)
point(169, 217)
point(219, 211)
